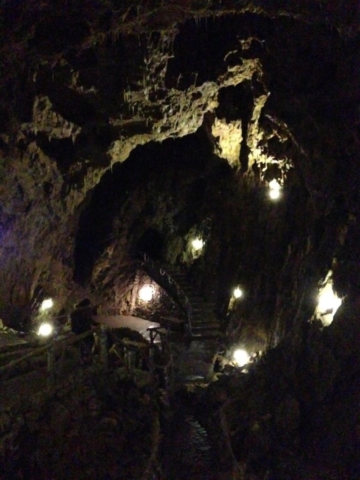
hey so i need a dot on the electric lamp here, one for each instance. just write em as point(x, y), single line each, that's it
point(275, 189)
point(146, 293)
point(46, 304)
point(328, 303)
point(45, 329)
point(197, 244)
point(237, 292)
point(241, 357)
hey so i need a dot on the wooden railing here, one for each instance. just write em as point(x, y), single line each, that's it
point(52, 348)
point(164, 279)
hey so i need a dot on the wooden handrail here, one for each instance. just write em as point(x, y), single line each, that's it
point(52, 344)
point(170, 285)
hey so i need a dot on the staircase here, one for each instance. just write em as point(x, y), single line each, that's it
point(204, 324)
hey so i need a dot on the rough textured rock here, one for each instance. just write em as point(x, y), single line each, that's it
point(91, 96)
point(124, 126)
point(79, 429)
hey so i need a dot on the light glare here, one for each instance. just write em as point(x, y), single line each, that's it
point(46, 304)
point(275, 189)
point(328, 303)
point(45, 329)
point(241, 357)
point(197, 244)
point(146, 293)
point(274, 194)
point(238, 292)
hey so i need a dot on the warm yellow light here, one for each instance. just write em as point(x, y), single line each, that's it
point(45, 329)
point(328, 303)
point(197, 244)
point(46, 304)
point(274, 194)
point(238, 292)
point(146, 293)
point(275, 189)
point(241, 357)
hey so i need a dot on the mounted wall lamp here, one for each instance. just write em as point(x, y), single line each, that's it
point(46, 304)
point(45, 329)
point(237, 293)
point(197, 244)
point(275, 189)
point(241, 357)
point(328, 301)
point(146, 293)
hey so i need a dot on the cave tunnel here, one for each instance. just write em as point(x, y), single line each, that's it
point(191, 169)
point(127, 200)
point(151, 243)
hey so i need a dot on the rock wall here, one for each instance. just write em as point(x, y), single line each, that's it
point(272, 88)
point(89, 426)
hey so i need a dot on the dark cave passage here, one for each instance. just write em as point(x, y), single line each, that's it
point(130, 193)
point(186, 451)
point(152, 243)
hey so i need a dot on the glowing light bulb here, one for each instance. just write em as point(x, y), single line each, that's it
point(45, 329)
point(275, 189)
point(238, 292)
point(328, 303)
point(46, 304)
point(241, 357)
point(197, 244)
point(146, 293)
point(274, 194)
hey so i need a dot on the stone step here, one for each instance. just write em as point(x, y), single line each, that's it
point(201, 308)
point(204, 318)
point(200, 314)
point(206, 334)
point(205, 321)
point(202, 328)
point(201, 323)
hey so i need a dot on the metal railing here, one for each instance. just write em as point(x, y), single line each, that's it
point(165, 280)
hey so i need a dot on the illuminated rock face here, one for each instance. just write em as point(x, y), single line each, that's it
point(252, 89)
point(119, 124)
point(328, 301)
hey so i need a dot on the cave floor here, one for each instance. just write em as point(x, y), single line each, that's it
point(186, 450)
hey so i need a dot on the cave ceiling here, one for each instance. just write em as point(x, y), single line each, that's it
point(120, 117)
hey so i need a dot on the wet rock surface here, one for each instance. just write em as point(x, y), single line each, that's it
point(186, 450)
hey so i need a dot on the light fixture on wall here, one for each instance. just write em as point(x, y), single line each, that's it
point(237, 293)
point(241, 357)
point(46, 304)
point(197, 244)
point(146, 293)
point(275, 189)
point(328, 301)
point(45, 329)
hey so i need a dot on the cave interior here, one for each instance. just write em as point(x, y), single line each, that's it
point(129, 130)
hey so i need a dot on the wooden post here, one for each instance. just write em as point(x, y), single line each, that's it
point(103, 347)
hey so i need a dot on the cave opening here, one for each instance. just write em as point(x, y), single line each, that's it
point(151, 243)
point(140, 202)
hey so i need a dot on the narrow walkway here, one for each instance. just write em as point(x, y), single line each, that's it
point(193, 362)
point(204, 323)
point(187, 453)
